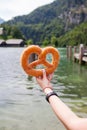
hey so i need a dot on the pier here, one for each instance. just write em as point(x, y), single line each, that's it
point(79, 53)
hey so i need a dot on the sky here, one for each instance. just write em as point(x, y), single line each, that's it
point(12, 8)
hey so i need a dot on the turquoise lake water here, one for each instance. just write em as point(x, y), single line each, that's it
point(22, 103)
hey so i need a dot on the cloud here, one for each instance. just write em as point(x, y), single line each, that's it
point(12, 8)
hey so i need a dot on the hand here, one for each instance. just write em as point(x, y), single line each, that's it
point(44, 81)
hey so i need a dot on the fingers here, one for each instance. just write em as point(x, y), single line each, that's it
point(50, 77)
point(38, 80)
point(41, 77)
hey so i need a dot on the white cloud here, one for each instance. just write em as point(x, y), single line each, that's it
point(12, 8)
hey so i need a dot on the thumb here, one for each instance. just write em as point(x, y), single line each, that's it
point(44, 73)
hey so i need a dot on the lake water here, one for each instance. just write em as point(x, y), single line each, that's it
point(22, 103)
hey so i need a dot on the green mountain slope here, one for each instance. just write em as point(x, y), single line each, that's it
point(75, 37)
point(54, 19)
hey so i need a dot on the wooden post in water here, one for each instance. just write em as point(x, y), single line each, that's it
point(75, 49)
point(32, 58)
point(81, 51)
point(69, 52)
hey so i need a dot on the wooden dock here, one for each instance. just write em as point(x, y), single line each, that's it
point(79, 53)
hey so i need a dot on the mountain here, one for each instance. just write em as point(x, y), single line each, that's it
point(1, 20)
point(54, 19)
point(58, 9)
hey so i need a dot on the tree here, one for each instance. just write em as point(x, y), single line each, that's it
point(46, 42)
point(54, 41)
point(29, 42)
point(16, 33)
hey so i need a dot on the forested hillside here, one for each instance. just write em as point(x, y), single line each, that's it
point(75, 37)
point(49, 22)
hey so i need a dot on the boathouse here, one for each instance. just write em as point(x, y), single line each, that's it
point(15, 43)
point(2, 43)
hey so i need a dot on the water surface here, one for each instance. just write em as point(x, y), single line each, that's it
point(22, 103)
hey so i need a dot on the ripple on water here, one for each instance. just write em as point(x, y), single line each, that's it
point(22, 101)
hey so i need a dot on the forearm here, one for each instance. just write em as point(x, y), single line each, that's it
point(61, 110)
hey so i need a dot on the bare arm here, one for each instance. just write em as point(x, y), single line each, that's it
point(62, 111)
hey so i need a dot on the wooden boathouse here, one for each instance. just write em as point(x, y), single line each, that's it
point(12, 43)
point(15, 43)
point(2, 43)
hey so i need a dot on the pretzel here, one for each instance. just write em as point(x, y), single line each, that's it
point(29, 68)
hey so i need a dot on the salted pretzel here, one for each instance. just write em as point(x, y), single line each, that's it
point(29, 68)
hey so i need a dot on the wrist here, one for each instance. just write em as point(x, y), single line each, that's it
point(47, 90)
point(49, 95)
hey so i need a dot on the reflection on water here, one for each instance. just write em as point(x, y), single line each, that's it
point(73, 83)
point(22, 103)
